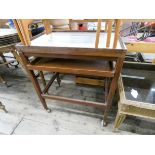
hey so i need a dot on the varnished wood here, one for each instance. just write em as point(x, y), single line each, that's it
point(73, 59)
point(25, 37)
point(34, 81)
point(69, 100)
point(23, 29)
point(117, 31)
point(47, 26)
point(74, 52)
point(113, 85)
point(79, 67)
point(98, 33)
point(42, 78)
point(19, 31)
point(23, 26)
point(109, 31)
point(50, 83)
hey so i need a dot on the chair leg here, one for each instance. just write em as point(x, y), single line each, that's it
point(112, 89)
point(38, 90)
point(34, 81)
point(42, 78)
point(119, 120)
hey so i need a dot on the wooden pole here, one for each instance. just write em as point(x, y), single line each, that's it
point(117, 31)
point(98, 33)
point(109, 30)
point(47, 26)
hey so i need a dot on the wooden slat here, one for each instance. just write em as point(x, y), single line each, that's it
point(23, 26)
point(109, 31)
point(117, 31)
point(98, 33)
point(19, 31)
point(75, 101)
point(47, 26)
point(71, 51)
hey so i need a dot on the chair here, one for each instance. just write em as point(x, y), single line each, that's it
point(63, 52)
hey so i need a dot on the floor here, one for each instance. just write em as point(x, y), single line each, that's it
point(27, 117)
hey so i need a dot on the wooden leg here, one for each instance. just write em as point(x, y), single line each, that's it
point(113, 87)
point(119, 120)
point(37, 88)
point(98, 33)
point(18, 58)
point(109, 25)
point(109, 99)
point(42, 78)
point(34, 82)
point(117, 31)
point(50, 83)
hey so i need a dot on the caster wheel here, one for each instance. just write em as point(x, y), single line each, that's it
point(49, 110)
point(103, 123)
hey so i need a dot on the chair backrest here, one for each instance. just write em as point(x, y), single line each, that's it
point(24, 34)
